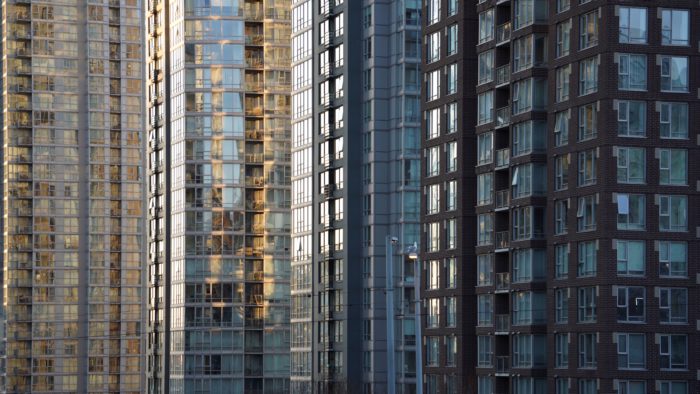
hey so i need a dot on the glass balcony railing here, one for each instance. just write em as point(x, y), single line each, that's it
point(503, 32)
point(503, 116)
point(502, 199)
point(502, 240)
point(502, 158)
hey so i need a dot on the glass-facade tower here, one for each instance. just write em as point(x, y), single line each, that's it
point(73, 195)
point(219, 86)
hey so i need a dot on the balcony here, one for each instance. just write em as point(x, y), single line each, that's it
point(503, 33)
point(502, 365)
point(503, 75)
point(502, 324)
point(502, 158)
point(502, 241)
point(503, 116)
point(502, 281)
point(502, 199)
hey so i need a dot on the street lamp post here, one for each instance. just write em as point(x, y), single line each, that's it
point(413, 255)
point(389, 296)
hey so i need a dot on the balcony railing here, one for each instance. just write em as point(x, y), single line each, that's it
point(502, 199)
point(503, 280)
point(502, 158)
point(502, 240)
point(503, 116)
point(502, 364)
point(503, 33)
point(503, 323)
point(503, 74)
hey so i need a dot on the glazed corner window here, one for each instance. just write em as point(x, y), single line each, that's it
point(673, 213)
point(675, 27)
point(633, 25)
point(674, 74)
point(632, 72)
point(631, 118)
point(673, 119)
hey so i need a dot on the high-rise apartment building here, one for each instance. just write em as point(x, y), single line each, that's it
point(355, 184)
point(219, 87)
point(73, 200)
point(586, 196)
point(448, 182)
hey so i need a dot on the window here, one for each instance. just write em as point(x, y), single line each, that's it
point(563, 38)
point(528, 350)
point(433, 161)
point(673, 305)
point(524, 12)
point(451, 271)
point(484, 266)
point(631, 118)
point(587, 167)
point(673, 259)
point(673, 351)
point(673, 166)
point(486, 384)
point(450, 311)
point(587, 386)
point(675, 27)
point(631, 165)
point(433, 52)
point(432, 122)
point(674, 74)
point(586, 213)
point(523, 53)
point(485, 309)
point(485, 229)
point(432, 345)
point(587, 304)
point(588, 30)
point(587, 258)
point(630, 304)
point(561, 209)
point(486, 67)
point(486, 26)
point(433, 318)
point(433, 8)
point(528, 137)
point(561, 343)
point(587, 357)
point(563, 78)
point(528, 223)
point(451, 76)
point(563, 5)
point(632, 72)
point(672, 387)
point(485, 351)
point(587, 121)
point(561, 301)
point(433, 236)
point(561, 127)
point(631, 351)
point(562, 385)
point(673, 213)
point(485, 148)
point(451, 196)
point(561, 172)
point(529, 265)
point(433, 199)
point(633, 25)
point(452, 37)
point(484, 188)
point(631, 387)
point(631, 212)
point(451, 110)
point(528, 179)
point(528, 94)
point(631, 257)
point(451, 233)
point(451, 156)
point(433, 85)
point(451, 7)
point(561, 267)
point(529, 308)
point(588, 76)
point(674, 120)
point(485, 105)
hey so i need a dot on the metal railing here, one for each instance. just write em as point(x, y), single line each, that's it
point(503, 32)
point(502, 364)
point(502, 158)
point(502, 198)
point(503, 116)
point(503, 74)
point(502, 240)
point(503, 322)
point(503, 281)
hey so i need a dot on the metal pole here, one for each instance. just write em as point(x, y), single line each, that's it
point(389, 295)
point(419, 336)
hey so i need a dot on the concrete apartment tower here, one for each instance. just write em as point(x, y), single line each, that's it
point(218, 91)
point(586, 195)
point(355, 182)
point(73, 196)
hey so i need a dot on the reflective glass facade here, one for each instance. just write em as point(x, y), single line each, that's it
point(219, 189)
point(73, 196)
